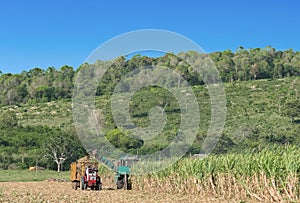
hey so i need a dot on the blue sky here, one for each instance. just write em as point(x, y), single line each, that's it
point(55, 33)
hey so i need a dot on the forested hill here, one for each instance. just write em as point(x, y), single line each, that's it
point(263, 107)
point(38, 85)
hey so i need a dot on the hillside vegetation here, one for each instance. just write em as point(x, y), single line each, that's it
point(262, 91)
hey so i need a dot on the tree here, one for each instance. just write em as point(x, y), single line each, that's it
point(124, 142)
point(59, 148)
point(254, 70)
point(11, 96)
point(295, 87)
point(292, 109)
point(36, 72)
point(8, 119)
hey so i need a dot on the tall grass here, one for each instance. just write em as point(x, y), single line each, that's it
point(269, 174)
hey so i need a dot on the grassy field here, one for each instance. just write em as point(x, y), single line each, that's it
point(26, 175)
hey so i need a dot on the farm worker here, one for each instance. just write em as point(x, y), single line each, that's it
point(87, 172)
point(95, 170)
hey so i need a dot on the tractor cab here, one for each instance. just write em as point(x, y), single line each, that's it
point(128, 161)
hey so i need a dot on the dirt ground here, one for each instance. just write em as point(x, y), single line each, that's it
point(61, 192)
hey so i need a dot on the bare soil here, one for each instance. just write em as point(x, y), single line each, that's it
point(62, 192)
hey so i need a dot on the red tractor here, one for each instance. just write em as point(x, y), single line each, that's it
point(84, 174)
point(91, 179)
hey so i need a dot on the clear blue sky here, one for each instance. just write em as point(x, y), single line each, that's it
point(45, 33)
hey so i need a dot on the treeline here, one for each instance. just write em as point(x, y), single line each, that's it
point(38, 85)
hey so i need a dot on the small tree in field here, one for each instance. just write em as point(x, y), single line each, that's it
point(59, 149)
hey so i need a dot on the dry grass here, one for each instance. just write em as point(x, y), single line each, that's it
point(257, 188)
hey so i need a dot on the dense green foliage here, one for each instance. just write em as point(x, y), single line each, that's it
point(45, 85)
point(22, 147)
point(256, 116)
point(36, 85)
point(123, 141)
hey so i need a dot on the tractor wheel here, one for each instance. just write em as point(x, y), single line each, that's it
point(98, 187)
point(120, 184)
point(98, 184)
point(129, 184)
point(74, 185)
point(125, 181)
